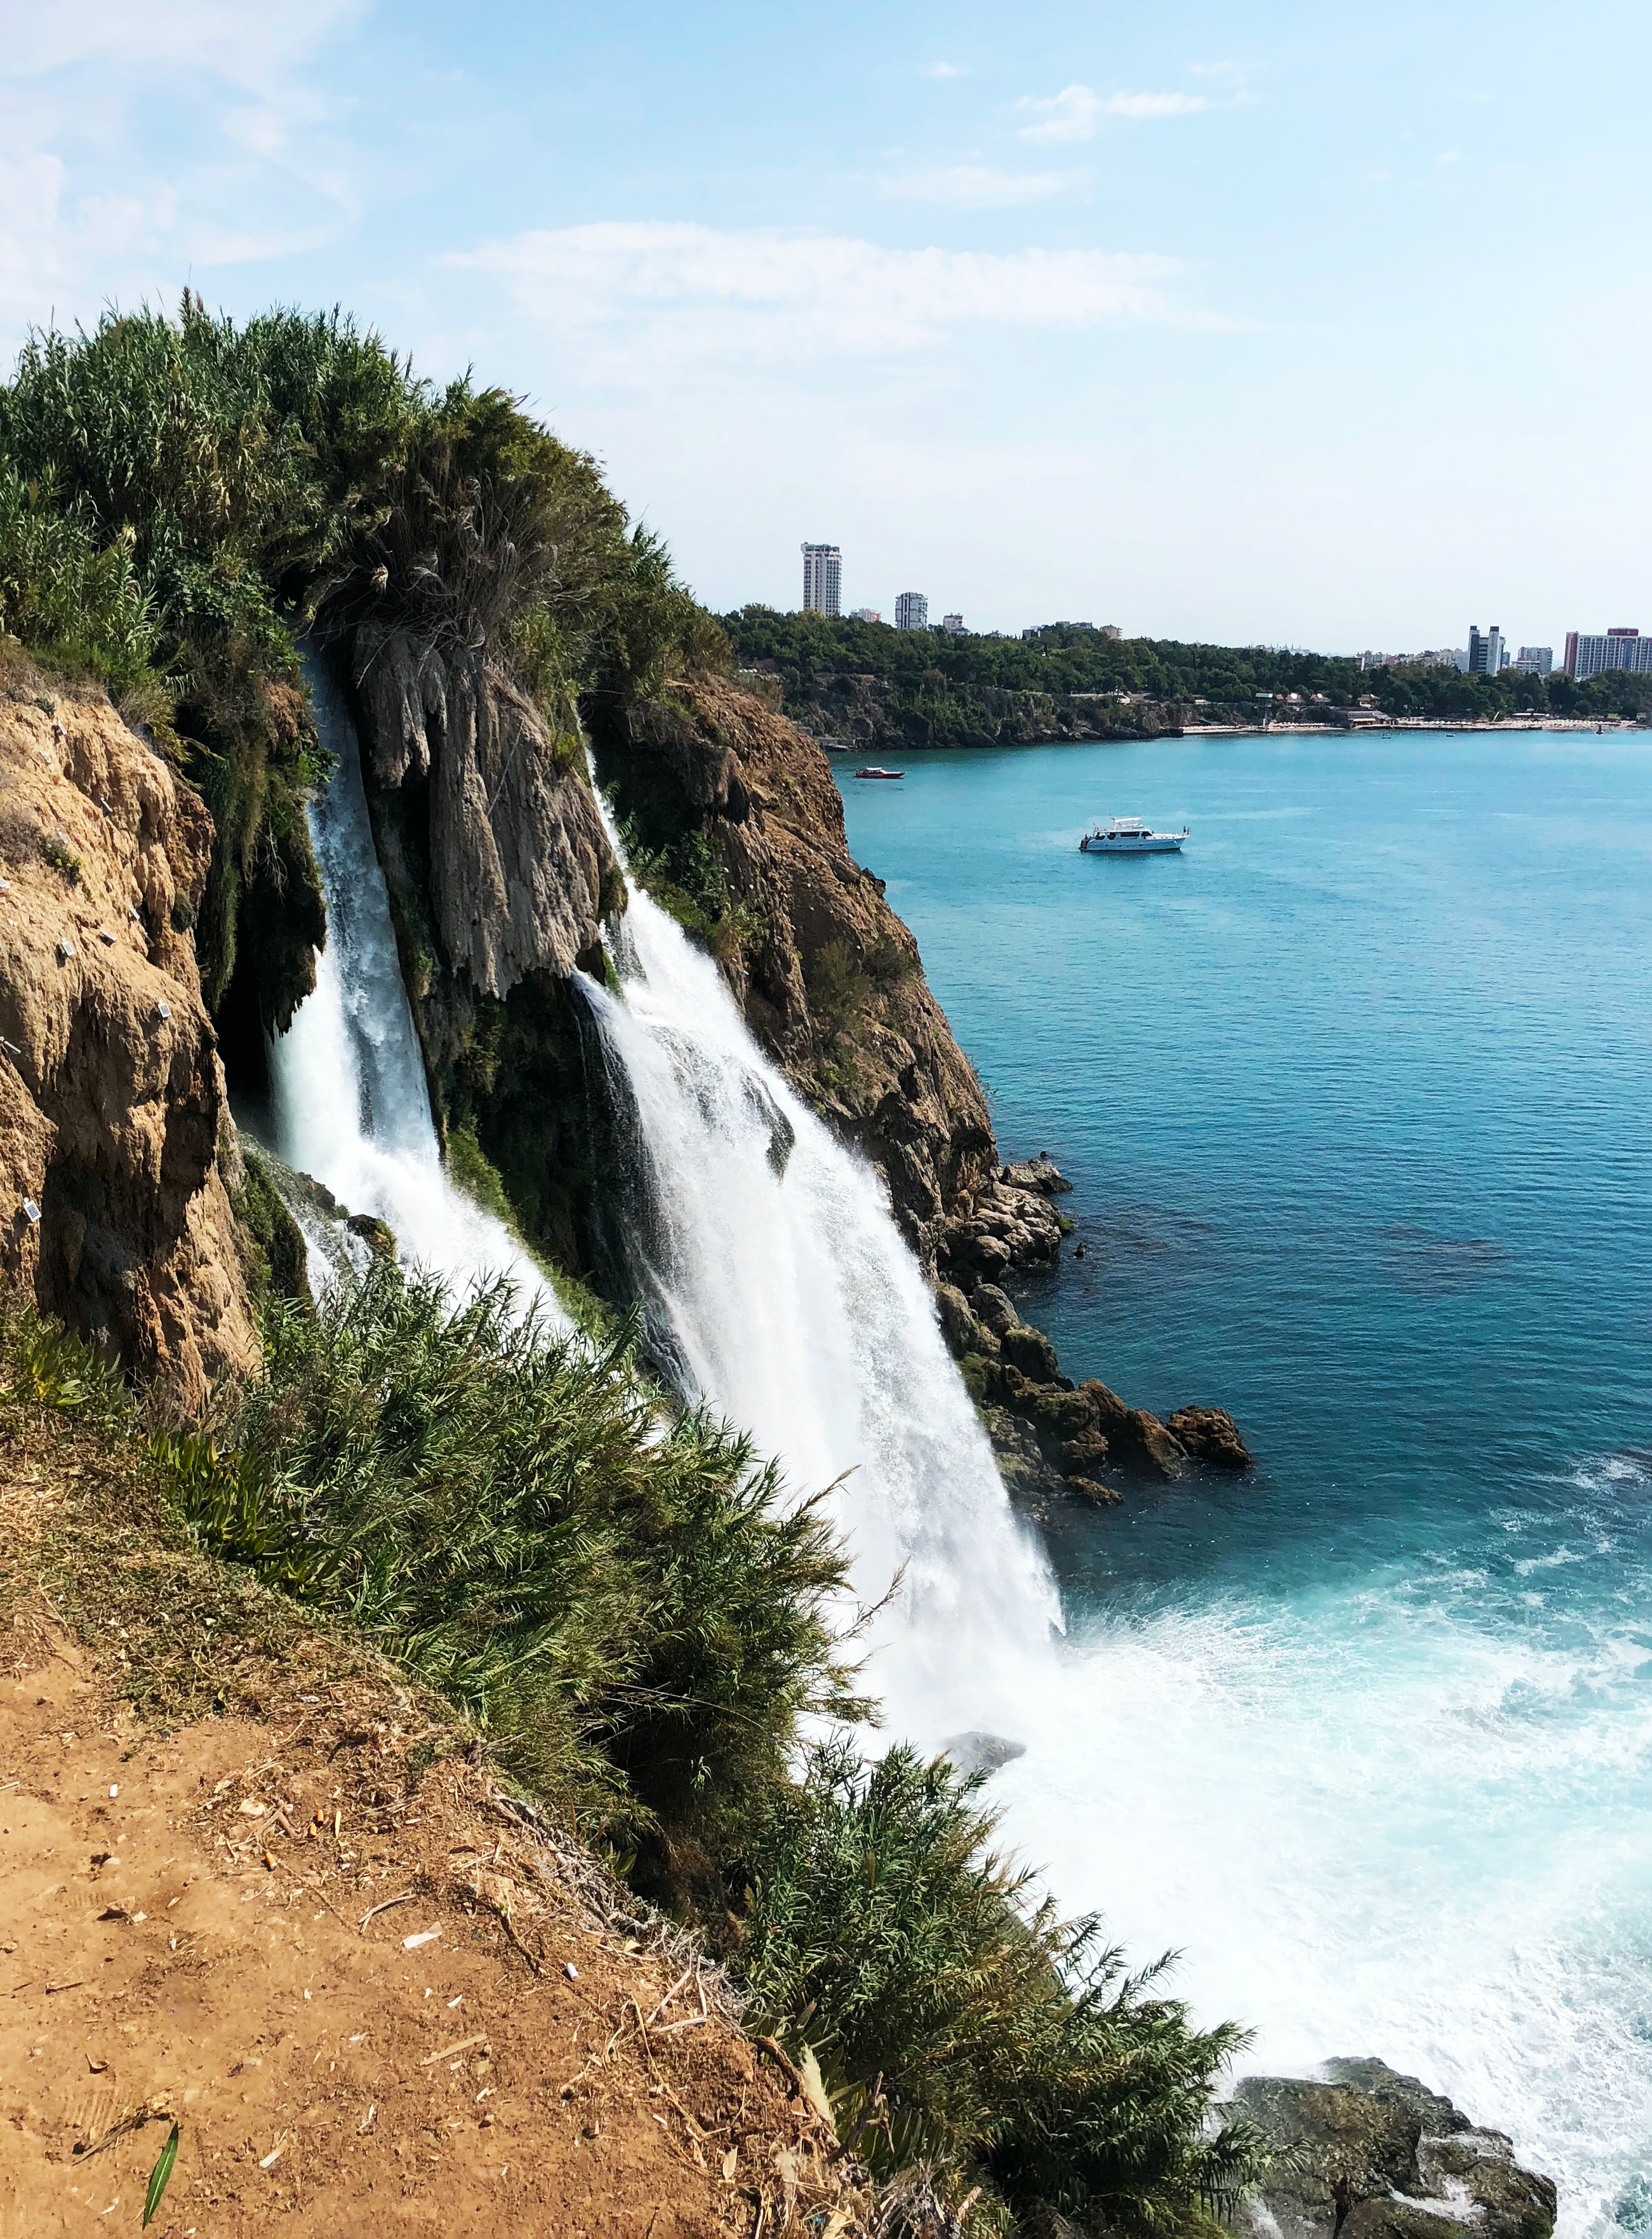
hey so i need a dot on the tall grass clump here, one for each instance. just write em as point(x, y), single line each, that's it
point(182, 498)
point(958, 2021)
point(622, 1600)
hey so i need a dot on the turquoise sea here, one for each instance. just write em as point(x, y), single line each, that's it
point(1354, 1095)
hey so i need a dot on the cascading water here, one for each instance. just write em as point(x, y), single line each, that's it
point(350, 1103)
point(772, 1274)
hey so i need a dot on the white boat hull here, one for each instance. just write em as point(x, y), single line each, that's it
point(1147, 843)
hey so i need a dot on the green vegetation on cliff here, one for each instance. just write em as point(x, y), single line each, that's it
point(181, 499)
point(623, 1609)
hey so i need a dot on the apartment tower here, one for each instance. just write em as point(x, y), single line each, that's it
point(822, 580)
point(911, 611)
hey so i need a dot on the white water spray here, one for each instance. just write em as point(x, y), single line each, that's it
point(351, 1105)
point(771, 1271)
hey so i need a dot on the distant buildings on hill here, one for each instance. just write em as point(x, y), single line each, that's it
point(1612, 649)
point(822, 580)
point(1485, 654)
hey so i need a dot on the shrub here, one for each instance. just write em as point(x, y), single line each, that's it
point(837, 986)
point(957, 2018)
point(56, 851)
point(624, 1602)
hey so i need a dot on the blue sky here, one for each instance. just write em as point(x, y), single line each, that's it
point(1283, 322)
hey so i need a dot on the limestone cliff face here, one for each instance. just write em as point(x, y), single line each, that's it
point(114, 1212)
point(519, 868)
point(828, 977)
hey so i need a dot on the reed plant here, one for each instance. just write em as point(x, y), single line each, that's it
point(959, 2022)
point(620, 1595)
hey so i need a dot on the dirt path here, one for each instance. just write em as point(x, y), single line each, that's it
point(181, 1938)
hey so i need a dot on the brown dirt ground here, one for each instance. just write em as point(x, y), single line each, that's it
point(185, 1935)
point(179, 1938)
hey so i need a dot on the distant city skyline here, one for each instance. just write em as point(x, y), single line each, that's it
point(1487, 653)
point(966, 282)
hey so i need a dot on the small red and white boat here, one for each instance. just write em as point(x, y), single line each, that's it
point(879, 772)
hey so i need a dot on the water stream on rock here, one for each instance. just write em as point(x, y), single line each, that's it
point(774, 1279)
point(350, 1101)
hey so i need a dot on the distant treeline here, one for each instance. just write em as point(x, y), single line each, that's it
point(942, 690)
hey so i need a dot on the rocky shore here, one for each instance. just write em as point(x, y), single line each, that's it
point(1368, 2154)
point(1054, 1438)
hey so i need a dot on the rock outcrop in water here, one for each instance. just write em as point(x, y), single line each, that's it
point(1052, 1436)
point(1380, 2156)
point(114, 1210)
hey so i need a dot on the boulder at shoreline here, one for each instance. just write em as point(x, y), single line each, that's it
point(1381, 2157)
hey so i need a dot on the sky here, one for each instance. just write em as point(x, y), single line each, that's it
point(1265, 322)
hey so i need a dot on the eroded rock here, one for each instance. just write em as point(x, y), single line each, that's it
point(112, 1106)
point(520, 867)
point(1211, 1435)
point(1382, 2157)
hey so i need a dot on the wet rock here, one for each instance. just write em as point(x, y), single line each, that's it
point(1084, 1454)
point(378, 1236)
point(520, 867)
point(1209, 1434)
point(1143, 1440)
point(994, 1308)
point(1092, 1489)
point(1040, 1175)
point(1380, 2156)
point(958, 1324)
point(1001, 1225)
point(1030, 1351)
point(978, 1752)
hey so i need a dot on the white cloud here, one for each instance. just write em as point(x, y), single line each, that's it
point(946, 69)
point(138, 143)
point(630, 304)
point(1073, 113)
point(977, 186)
point(213, 37)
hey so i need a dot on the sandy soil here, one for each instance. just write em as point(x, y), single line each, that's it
point(185, 1936)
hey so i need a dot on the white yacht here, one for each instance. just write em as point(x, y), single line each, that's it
point(1129, 835)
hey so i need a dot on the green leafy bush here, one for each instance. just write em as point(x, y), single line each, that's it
point(625, 1601)
point(956, 2019)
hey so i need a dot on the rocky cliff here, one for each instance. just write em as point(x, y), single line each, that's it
point(114, 1210)
point(740, 825)
point(879, 713)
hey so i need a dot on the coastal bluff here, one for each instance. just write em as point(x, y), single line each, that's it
point(116, 1154)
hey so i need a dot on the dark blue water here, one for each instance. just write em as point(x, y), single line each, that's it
point(1353, 1096)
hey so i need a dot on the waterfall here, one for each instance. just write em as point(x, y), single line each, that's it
point(350, 1102)
point(774, 1279)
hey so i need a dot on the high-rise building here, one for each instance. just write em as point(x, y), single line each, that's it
point(822, 580)
point(866, 615)
point(953, 623)
point(1615, 649)
point(1485, 654)
point(1535, 660)
point(911, 611)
